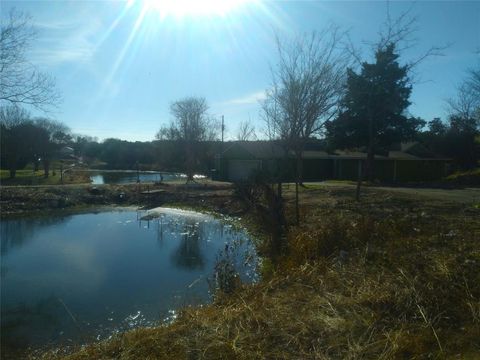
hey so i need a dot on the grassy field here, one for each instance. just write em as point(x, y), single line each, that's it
point(395, 276)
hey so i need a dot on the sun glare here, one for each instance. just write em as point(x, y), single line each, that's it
point(181, 8)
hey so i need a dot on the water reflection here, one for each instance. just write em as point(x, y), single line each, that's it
point(14, 233)
point(188, 255)
point(89, 275)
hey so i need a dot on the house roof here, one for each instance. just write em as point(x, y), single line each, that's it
point(262, 149)
point(316, 155)
point(258, 149)
point(400, 155)
point(347, 154)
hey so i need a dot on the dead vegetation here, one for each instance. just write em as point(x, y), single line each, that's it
point(391, 277)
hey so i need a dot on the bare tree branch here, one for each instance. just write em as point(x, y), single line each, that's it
point(20, 81)
point(246, 131)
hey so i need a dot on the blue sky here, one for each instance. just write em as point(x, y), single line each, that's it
point(119, 70)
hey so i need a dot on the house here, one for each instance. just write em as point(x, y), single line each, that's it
point(406, 162)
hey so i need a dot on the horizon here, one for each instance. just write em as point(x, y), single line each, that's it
point(119, 65)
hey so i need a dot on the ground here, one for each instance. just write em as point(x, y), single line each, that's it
point(393, 276)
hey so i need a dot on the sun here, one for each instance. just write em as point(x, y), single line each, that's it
point(182, 8)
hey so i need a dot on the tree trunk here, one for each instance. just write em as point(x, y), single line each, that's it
point(300, 169)
point(189, 161)
point(13, 167)
point(297, 207)
point(371, 147)
point(370, 163)
point(46, 167)
point(297, 182)
point(371, 142)
point(359, 180)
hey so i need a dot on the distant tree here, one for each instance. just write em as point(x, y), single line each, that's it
point(457, 139)
point(460, 138)
point(55, 135)
point(22, 83)
point(22, 139)
point(466, 104)
point(437, 127)
point(306, 88)
point(11, 120)
point(246, 131)
point(190, 126)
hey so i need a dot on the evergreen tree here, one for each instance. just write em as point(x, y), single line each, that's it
point(373, 107)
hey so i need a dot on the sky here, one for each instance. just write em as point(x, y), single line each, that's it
point(120, 64)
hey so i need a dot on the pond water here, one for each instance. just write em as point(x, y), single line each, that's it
point(77, 278)
point(126, 177)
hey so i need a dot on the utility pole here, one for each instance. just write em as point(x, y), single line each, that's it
point(223, 127)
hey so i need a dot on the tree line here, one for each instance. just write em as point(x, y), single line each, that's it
point(26, 140)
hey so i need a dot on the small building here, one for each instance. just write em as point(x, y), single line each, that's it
point(406, 162)
point(66, 152)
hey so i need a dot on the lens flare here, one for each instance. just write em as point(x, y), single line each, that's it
point(182, 8)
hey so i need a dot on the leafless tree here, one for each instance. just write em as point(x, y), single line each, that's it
point(11, 115)
point(191, 124)
point(21, 82)
point(306, 89)
point(246, 131)
point(466, 103)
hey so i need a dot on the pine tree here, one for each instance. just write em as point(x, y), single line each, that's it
point(373, 107)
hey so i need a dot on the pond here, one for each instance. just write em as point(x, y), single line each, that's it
point(99, 177)
point(77, 278)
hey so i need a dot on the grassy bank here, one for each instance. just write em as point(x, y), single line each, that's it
point(394, 276)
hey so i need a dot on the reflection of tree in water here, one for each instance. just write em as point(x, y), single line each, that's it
point(188, 254)
point(15, 233)
point(33, 325)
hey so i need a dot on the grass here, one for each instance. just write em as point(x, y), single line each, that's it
point(28, 177)
point(390, 277)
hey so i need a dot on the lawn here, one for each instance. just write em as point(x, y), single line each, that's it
point(29, 177)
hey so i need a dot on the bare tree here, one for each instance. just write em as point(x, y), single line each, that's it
point(191, 125)
point(246, 131)
point(466, 104)
point(13, 115)
point(306, 90)
point(21, 82)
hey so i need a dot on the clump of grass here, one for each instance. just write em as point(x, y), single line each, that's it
point(225, 279)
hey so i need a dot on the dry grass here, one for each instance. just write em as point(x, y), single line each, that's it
point(388, 278)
